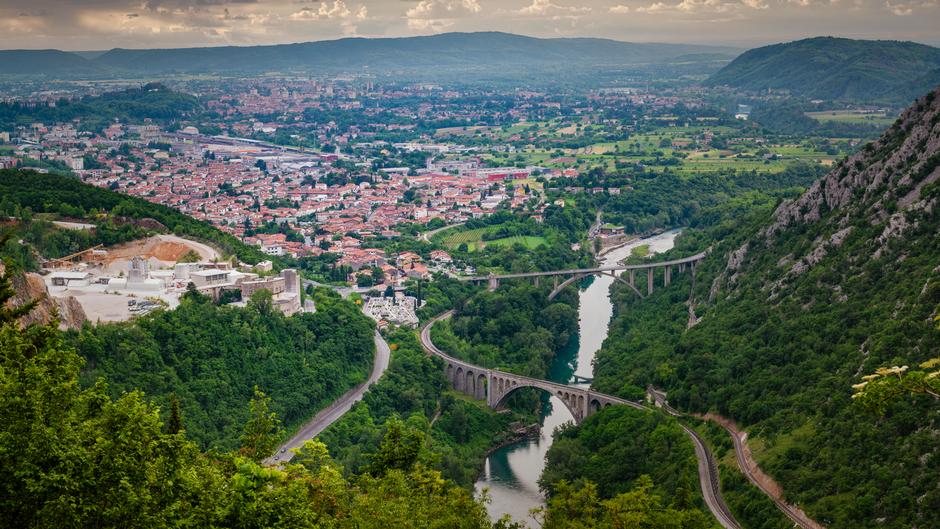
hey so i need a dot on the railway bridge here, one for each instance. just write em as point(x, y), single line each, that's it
point(563, 278)
point(496, 386)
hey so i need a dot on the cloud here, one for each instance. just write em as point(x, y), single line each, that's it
point(438, 15)
point(619, 9)
point(546, 7)
point(904, 9)
point(700, 7)
point(335, 11)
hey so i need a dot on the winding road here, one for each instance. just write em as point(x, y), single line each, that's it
point(795, 514)
point(707, 468)
point(426, 236)
point(331, 414)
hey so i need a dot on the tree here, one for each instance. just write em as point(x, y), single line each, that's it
point(175, 425)
point(262, 430)
point(399, 450)
point(261, 301)
point(887, 384)
point(192, 256)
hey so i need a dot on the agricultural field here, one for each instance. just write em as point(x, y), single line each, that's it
point(474, 240)
point(529, 241)
point(469, 237)
point(871, 117)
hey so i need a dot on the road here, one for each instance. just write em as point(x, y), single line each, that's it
point(796, 515)
point(708, 479)
point(336, 410)
point(708, 470)
point(426, 236)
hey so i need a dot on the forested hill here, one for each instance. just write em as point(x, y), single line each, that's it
point(832, 286)
point(835, 68)
point(50, 62)
point(443, 53)
point(152, 101)
point(119, 217)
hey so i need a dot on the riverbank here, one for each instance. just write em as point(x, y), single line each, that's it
point(511, 473)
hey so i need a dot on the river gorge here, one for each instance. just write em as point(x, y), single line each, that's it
point(511, 473)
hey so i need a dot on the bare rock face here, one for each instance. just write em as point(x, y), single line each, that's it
point(888, 173)
point(30, 286)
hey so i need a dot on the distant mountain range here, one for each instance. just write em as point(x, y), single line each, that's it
point(470, 52)
point(835, 68)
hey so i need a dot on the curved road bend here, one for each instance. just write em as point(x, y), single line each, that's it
point(426, 236)
point(707, 468)
point(796, 515)
point(340, 406)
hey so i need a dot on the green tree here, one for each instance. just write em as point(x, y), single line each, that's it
point(399, 450)
point(262, 430)
point(175, 425)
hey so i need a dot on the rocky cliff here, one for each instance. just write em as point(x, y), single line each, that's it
point(30, 286)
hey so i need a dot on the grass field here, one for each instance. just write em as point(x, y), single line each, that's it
point(879, 118)
point(474, 240)
point(529, 241)
point(666, 141)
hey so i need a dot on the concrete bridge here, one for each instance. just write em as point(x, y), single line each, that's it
point(573, 275)
point(496, 386)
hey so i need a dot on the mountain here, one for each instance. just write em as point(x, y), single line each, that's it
point(795, 305)
point(44, 62)
point(448, 52)
point(835, 68)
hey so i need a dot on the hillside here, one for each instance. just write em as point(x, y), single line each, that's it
point(448, 52)
point(45, 62)
point(835, 68)
point(210, 358)
point(119, 217)
point(796, 305)
point(151, 101)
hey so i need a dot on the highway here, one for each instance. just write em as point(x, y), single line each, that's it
point(328, 416)
point(707, 468)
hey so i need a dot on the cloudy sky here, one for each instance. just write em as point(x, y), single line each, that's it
point(105, 24)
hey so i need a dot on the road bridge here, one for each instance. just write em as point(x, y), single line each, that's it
point(572, 275)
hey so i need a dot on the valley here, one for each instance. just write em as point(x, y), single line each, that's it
point(471, 280)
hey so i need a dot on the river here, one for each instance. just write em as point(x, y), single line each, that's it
point(511, 473)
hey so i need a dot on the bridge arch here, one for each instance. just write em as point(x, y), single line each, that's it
point(564, 284)
point(506, 387)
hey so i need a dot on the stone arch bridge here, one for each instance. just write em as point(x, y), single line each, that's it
point(563, 278)
point(496, 386)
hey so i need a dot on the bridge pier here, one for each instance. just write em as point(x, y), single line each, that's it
point(536, 281)
point(493, 283)
point(632, 278)
point(667, 277)
point(649, 281)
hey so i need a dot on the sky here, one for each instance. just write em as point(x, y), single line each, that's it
point(106, 24)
